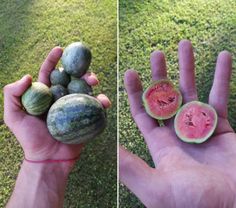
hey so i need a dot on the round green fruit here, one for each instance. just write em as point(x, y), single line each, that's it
point(37, 99)
point(79, 86)
point(162, 99)
point(58, 91)
point(76, 59)
point(76, 118)
point(195, 122)
point(59, 77)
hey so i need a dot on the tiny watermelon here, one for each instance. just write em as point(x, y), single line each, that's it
point(37, 99)
point(58, 91)
point(79, 86)
point(76, 59)
point(59, 76)
point(76, 118)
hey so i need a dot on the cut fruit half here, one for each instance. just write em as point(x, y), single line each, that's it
point(162, 99)
point(195, 122)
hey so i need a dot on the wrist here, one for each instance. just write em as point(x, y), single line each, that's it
point(40, 184)
point(48, 167)
point(63, 165)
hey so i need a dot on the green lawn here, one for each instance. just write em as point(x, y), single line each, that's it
point(28, 31)
point(149, 25)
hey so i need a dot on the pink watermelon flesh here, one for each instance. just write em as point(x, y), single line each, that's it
point(162, 100)
point(195, 121)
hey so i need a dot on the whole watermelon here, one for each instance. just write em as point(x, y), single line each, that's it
point(76, 118)
point(76, 59)
point(58, 91)
point(59, 77)
point(79, 86)
point(37, 99)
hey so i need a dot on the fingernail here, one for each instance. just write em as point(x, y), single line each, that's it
point(93, 79)
point(96, 80)
point(107, 100)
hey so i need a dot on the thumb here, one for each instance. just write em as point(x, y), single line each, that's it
point(12, 101)
point(19, 87)
point(135, 174)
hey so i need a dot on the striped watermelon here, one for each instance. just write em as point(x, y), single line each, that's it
point(37, 99)
point(76, 118)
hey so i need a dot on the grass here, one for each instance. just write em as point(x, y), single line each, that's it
point(28, 31)
point(146, 26)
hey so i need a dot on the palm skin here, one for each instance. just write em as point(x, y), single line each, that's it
point(185, 175)
point(42, 146)
point(31, 131)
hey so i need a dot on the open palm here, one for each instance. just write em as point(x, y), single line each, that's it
point(185, 175)
point(31, 131)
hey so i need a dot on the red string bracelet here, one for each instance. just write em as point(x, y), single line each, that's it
point(52, 161)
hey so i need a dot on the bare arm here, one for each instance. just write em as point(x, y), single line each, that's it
point(40, 185)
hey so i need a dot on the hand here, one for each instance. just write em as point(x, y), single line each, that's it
point(185, 175)
point(31, 131)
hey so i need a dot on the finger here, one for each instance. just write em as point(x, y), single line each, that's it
point(187, 76)
point(134, 89)
point(49, 64)
point(158, 65)
point(134, 173)
point(104, 100)
point(156, 138)
point(220, 89)
point(12, 103)
point(91, 78)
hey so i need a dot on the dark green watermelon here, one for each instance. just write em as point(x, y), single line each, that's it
point(59, 76)
point(37, 99)
point(76, 59)
point(58, 91)
point(79, 86)
point(76, 118)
